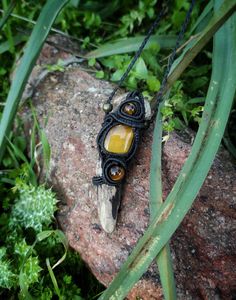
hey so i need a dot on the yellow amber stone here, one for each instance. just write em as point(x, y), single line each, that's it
point(119, 139)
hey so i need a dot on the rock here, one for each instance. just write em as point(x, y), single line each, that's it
point(203, 247)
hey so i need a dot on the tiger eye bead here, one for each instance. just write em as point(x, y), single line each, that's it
point(116, 173)
point(130, 109)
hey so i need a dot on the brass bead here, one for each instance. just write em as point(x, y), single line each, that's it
point(130, 109)
point(107, 107)
point(116, 173)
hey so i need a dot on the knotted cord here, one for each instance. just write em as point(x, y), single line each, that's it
point(159, 95)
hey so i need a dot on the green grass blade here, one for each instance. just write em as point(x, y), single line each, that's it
point(53, 278)
point(23, 286)
point(224, 12)
point(15, 153)
point(8, 29)
point(164, 260)
point(7, 13)
point(155, 169)
point(203, 18)
point(35, 43)
point(13, 157)
point(62, 239)
point(216, 112)
point(52, 29)
point(43, 139)
point(165, 267)
point(131, 45)
point(46, 149)
point(17, 39)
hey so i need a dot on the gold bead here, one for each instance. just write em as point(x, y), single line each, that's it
point(129, 109)
point(116, 173)
point(107, 107)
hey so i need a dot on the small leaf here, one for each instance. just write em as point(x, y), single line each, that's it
point(100, 74)
point(178, 18)
point(116, 76)
point(44, 234)
point(141, 69)
point(132, 82)
point(153, 83)
point(91, 62)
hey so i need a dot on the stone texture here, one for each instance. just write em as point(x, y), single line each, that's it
point(203, 247)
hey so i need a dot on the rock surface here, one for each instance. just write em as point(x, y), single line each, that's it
point(204, 246)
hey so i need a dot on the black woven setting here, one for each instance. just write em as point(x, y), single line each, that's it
point(118, 117)
point(137, 121)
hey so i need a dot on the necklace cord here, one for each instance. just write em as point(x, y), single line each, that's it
point(159, 95)
point(138, 53)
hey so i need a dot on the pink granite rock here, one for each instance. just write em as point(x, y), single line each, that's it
point(203, 248)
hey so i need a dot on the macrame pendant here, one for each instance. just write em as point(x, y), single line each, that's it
point(119, 136)
point(117, 143)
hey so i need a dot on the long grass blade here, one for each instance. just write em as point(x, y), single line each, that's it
point(23, 286)
point(35, 43)
point(202, 19)
point(225, 11)
point(216, 112)
point(52, 29)
point(131, 45)
point(7, 13)
point(43, 140)
point(53, 278)
point(164, 260)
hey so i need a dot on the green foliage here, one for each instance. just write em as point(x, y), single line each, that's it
point(178, 16)
point(40, 32)
point(31, 270)
point(179, 111)
point(86, 20)
point(141, 76)
point(27, 209)
point(135, 17)
point(34, 208)
point(7, 277)
point(28, 247)
point(56, 67)
point(21, 248)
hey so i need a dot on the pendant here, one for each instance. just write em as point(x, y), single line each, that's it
point(117, 143)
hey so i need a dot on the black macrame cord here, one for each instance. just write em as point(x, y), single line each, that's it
point(159, 95)
point(138, 53)
point(137, 120)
